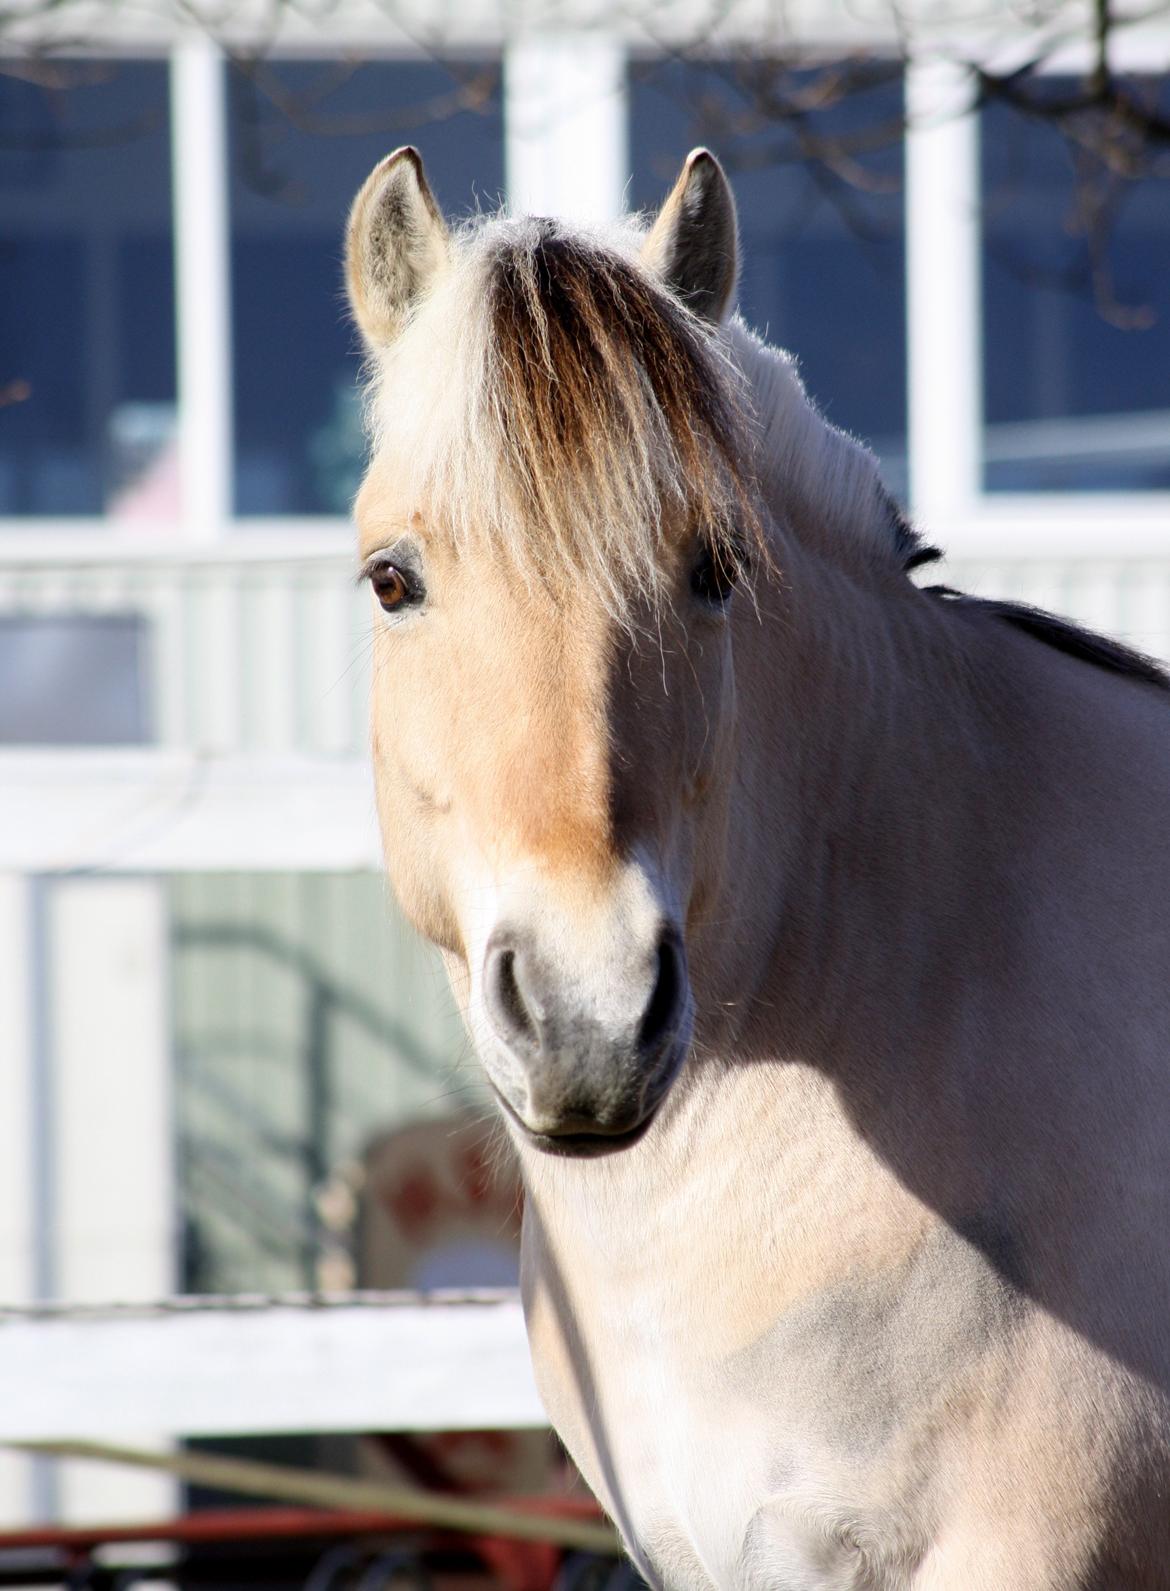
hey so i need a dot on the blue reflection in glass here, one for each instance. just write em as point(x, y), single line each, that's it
point(1076, 376)
point(823, 242)
point(74, 679)
point(87, 341)
point(304, 136)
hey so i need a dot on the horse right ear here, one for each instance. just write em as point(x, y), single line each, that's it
point(396, 244)
point(693, 245)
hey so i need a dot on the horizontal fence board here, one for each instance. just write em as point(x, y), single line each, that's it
point(232, 1369)
point(148, 811)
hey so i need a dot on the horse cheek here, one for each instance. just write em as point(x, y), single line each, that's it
point(411, 822)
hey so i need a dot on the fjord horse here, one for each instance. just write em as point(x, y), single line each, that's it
point(812, 927)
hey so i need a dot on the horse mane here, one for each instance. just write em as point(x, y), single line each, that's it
point(1075, 640)
point(552, 396)
point(816, 466)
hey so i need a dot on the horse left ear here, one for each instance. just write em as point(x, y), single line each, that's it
point(396, 243)
point(692, 245)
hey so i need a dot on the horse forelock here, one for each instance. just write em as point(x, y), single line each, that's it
point(552, 399)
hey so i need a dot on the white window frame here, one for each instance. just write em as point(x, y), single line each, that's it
point(203, 331)
point(945, 346)
point(565, 92)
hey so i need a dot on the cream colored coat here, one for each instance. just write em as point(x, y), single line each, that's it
point(875, 1292)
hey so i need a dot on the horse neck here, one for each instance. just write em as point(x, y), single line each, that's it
point(896, 980)
point(798, 966)
point(844, 676)
point(847, 820)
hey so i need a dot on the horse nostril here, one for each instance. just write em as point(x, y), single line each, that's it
point(540, 1022)
point(504, 998)
point(661, 1014)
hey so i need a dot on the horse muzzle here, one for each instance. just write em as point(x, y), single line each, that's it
point(587, 1062)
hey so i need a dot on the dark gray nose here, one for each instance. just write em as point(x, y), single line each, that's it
point(591, 1071)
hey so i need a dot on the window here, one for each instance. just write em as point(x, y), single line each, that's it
point(1076, 346)
point(304, 136)
point(87, 345)
point(73, 679)
point(822, 240)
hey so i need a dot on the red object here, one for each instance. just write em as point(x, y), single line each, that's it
point(518, 1565)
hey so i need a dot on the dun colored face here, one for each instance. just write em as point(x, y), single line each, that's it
point(547, 787)
point(548, 761)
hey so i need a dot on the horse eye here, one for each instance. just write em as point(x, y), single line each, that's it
point(714, 575)
point(391, 587)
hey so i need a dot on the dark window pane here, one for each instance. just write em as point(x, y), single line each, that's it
point(74, 680)
point(820, 213)
point(87, 343)
point(1076, 371)
point(304, 137)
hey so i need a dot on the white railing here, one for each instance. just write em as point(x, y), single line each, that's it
point(220, 1367)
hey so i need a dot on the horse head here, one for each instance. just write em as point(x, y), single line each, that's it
point(556, 515)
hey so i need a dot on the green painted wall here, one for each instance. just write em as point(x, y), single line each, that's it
point(308, 1019)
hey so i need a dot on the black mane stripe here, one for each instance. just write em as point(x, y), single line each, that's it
point(1064, 635)
point(921, 554)
point(909, 547)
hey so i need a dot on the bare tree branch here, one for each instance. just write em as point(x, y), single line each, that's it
point(774, 105)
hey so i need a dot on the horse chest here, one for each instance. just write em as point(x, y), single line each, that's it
point(715, 1483)
point(801, 1460)
point(681, 1475)
point(716, 1480)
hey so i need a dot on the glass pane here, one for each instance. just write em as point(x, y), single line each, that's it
point(820, 214)
point(1076, 342)
point(87, 309)
point(73, 680)
point(304, 137)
